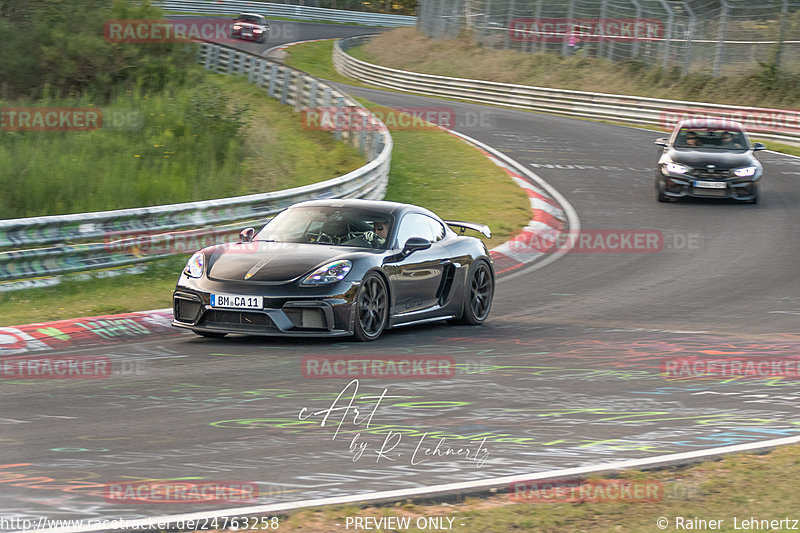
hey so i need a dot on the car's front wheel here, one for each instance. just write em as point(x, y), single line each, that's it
point(478, 294)
point(372, 308)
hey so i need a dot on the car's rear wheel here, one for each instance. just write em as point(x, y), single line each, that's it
point(478, 294)
point(209, 334)
point(372, 308)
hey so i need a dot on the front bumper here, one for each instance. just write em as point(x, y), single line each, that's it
point(683, 186)
point(285, 312)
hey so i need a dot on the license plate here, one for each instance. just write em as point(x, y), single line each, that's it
point(710, 184)
point(236, 301)
point(710, 192)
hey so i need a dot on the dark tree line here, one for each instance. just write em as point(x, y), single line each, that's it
point(57, 48)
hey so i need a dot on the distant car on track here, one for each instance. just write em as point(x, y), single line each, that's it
point(708, 158)
point(338, 267)
point(250, 27)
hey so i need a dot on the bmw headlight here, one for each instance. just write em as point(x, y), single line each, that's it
point(745, 172)
point(194, 268)
point(330, 273)
point(675, 168)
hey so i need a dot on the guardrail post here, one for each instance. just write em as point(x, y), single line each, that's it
point(287, 79)
point(326, 98)
point(337, 131)
point(312, 94)
point(212, 55)
point(362, 136)
point(262, 68)
point(273, 76)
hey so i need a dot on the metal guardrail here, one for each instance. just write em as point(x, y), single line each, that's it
point(138, 235)
point(234, 7)
point(774, 124)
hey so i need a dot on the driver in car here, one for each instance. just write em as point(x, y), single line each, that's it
point(374, 238)
point(377, 237)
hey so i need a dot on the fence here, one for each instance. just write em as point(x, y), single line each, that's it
point(722, 37)
point(69, 243)
point(299, 12)
point(775, 124)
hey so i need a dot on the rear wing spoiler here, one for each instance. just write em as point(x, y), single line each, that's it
point(463, 226)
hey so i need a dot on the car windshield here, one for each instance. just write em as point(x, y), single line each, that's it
point(250, 19)
point(711, 139)
point(338, 226)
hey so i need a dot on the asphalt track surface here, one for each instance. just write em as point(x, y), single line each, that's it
point(566, 372)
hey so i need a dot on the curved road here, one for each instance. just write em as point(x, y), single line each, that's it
point(566, 373)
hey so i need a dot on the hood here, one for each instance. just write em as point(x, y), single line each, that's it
point(270, 261)
point(722, 160)
point(248, 24)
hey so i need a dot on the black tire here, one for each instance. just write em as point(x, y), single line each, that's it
point(372, 308)
point(660, 196)
point(478, 294)
point(209, 334)
point(754, 200)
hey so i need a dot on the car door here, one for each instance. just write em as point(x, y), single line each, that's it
point(416, 279)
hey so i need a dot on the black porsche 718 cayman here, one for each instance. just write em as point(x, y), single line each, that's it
point(338, 267)
point(708, 158)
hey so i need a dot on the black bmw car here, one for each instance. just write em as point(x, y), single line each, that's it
point(338, 267)
point(708, 158)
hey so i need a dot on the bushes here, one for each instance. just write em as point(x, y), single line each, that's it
point(59, 45)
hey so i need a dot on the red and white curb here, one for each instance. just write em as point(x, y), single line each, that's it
point(88, 331)
point(551, 215)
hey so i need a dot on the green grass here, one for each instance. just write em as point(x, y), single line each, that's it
point(73, 298)
point(191, 145)
point(742, 485)
point(429, 168)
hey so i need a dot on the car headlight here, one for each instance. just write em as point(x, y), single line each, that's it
point(194, 268)
point(237, 27)
point(675, 168)
point(330, 273)
point(257, 30)
point(745, 172)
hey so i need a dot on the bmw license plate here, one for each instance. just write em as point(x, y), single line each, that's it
point(710, 185)
point(236, 301)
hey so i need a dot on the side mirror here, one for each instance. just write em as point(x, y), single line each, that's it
point(415, 243)
point(662, 142)
point(759, 146)
point(247, 235)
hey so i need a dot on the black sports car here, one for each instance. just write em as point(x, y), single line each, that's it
point(338, 267)
point(708, 158)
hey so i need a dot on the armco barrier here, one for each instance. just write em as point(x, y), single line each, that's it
point(54, 245)
point(233, 7)
point(774, 124)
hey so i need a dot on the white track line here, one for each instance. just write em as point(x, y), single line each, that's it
point(478, 485)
